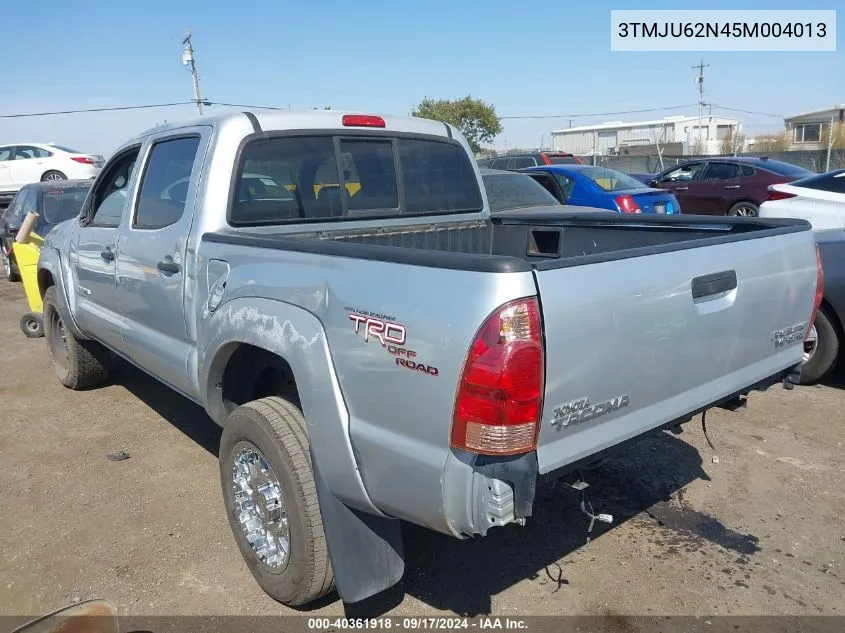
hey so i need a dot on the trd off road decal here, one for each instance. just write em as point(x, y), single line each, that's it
point(391, 336)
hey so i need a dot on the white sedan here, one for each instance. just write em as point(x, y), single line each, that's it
point(818, 199)
point(21, 164)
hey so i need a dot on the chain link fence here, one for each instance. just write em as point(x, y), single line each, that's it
point(814, 160)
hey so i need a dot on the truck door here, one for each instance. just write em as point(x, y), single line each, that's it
point(151, 259)
point(94, 250)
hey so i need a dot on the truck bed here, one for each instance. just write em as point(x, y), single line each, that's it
point(661, 316)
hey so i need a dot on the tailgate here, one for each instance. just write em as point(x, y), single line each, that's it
point(629, 347)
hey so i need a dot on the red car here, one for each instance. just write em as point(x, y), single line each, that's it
point(723, 185)
point(530, 159)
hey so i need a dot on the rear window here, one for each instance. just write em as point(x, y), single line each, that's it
point(833, 182)
point(62, 204)
point(301, 178)
point(610, 179)
point(515, 191)
point(786, 169)
point(66, 149)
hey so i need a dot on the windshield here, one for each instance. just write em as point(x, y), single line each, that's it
point(62, 204)
point(610, 179)
point(515, 191)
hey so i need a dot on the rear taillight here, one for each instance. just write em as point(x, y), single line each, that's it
point(774, 194)
point(627, 204)
point(83, 159)
point(819, 291)
point(546, 159)
point(362, 120)
point(500, 393)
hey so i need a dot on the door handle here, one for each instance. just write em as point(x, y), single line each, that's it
point(731, 186)
point(681, 188)
point(107, 255)
point(708, 285)
point(167, 265)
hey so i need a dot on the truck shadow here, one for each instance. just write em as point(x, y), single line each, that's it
point(462, 576)
point(191, 419)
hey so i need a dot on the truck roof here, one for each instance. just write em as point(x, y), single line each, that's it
point(276, 120)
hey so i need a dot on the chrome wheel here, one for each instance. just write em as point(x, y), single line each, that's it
point(7, 266)
point(53, 176)
point(260, 507)
point(811, 344)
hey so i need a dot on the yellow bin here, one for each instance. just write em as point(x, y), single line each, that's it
point(26, 254)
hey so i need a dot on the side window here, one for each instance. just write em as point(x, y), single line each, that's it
point(747, 171)
point(165, 183)
point(566, 183)
point(683, 173)
point(6, 153)
point(721, 171)
point(110, 194)
point(23, 203)
point(23, 152)
point(40, 152)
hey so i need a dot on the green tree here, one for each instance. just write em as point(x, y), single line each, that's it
point(476, 120)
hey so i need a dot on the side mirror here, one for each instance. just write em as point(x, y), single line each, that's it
point(93, 616)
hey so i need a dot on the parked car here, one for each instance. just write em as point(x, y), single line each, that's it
point(603, 188)
point(396, 353)
point(819, 199)
point(724, 185)
point(507, 190)
point(24, 163)
point(531, 159)
point(54, 202)
point(826, 336)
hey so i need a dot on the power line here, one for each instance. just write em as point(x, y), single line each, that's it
point(109, 109)
point(589, 114)
point(777, 116)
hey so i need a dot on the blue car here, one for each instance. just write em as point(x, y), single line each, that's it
point(602, 188)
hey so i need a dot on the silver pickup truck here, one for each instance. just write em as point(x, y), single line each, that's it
point(332, 289)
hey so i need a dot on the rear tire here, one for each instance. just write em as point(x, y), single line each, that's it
point(53, 175)
point(78, 364)
point(274, 429)
point(744, 209)
point(820, 360)
point(32, 325)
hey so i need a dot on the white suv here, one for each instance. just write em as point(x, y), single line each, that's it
point(21, 164)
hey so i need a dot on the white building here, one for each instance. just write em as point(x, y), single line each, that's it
point(808, 130)
point(679, 133)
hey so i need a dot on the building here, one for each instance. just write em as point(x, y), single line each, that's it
point(809, 129)
point(675, 135)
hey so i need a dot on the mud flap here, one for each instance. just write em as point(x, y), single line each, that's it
point(366, 551)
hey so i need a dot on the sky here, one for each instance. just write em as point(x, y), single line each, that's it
point(527, 59)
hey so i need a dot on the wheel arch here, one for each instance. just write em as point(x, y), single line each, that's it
point(284, 348)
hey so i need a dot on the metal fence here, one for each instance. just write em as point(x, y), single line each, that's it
point(814, 160)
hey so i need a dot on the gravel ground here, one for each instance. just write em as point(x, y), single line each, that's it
point(759, 532)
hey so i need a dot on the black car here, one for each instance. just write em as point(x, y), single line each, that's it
point(53, 201)
point(530, 159)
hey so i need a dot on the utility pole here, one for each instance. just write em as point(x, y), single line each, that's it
point(829, 144)
point(188, 60)
point(700, 80)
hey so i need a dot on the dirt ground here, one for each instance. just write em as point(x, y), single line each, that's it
point(760, 532)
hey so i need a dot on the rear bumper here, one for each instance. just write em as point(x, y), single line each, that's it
point(483, 492)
